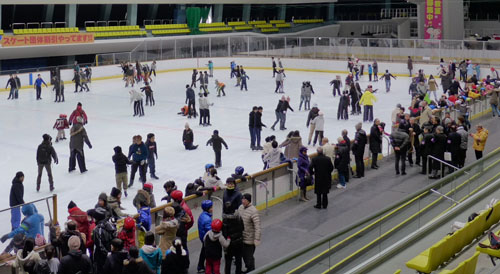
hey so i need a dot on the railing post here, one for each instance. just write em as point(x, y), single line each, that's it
point(54, 209)
point(314, 48)
point(248, 45)
point(192, 50)
point(175, 48)
point(284, 51)
point(254, 190)
point(272, 184)
point(210, 46)
point(229, 46)
point(267, 46)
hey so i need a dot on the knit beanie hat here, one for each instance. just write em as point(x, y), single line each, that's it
point(103, 196)
point(74, 243)
point(115, 192)
point(71, 205)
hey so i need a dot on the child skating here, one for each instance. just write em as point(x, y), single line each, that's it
point(149, 94)
point(61, 124)
point(219, 86)
point(216, 142)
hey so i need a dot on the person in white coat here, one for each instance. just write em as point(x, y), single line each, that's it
point(273, 157)
point(204, 109)
point(137, 98)
point(319, 123)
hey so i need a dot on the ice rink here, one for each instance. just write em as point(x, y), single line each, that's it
point(24, 121)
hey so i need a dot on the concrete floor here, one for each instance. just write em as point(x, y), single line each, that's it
point(292, 225)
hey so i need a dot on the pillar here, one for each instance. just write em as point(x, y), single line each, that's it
point(0, 16)
point(421, 20)
point(282, 12)
point(247, 8)
point(453, 20)
point(331, 12)
point(152, 11)
point(404, 29)
point(218, 8)
point(70, 15)
point(180, 14)
point(132, 14)
point(387, 4)
point(49, 13)
point(106, 12)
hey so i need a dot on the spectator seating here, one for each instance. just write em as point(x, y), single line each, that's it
point(212, 25)
point(219, 29)
point(283, 25)
point(1, 31)
point(236, 23)
point(171, 32)
point(493, 253)
point(277, 21)
point(107, 34)
point(113, 28)
point(44, 31)
point(166, 26)
point(267, 30)
point(257, 22)
point(264, 26)
point(244, 27)
point(307, 21)
point(398, 271)
point(467, 266)
point(430, 259)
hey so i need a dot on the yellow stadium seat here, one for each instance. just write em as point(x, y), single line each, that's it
point(398, 271)
point(277, 21)
point(237, 23)
point(466, 267)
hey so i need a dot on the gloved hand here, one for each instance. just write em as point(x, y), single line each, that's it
point(4, 238)
point(56, 161)
point(90, 146)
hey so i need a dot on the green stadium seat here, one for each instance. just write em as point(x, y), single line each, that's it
point(465, 267)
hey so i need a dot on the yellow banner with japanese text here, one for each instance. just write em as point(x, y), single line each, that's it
point(46, 39)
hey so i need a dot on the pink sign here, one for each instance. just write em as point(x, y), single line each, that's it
point(433, 19)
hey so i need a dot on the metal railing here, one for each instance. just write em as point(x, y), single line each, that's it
point(381, 49)
point(398, 13)
point(441, 163)
point(341, 251)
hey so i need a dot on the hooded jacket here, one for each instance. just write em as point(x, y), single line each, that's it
point(136, 266)
point(31, 225)
point(114, 262)
point(174, 262)
point(251, 224)
point(312, 114)
point(75, 262)
point(273, 158)
point(81, 219)
point(204, 224)
point(121, 161)
point(78, 112)
point(152, 256)
point(292, 146)
point(16, 193)
point(214, 242)
point(216, 141)
point(480, 138)
point(367, 99)
point(319, 123)
point(45, 153)
point(167, 230)
point(32, 258)
point(142, 196)
point(78, 136)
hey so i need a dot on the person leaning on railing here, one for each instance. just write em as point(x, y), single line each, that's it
point(16, 198)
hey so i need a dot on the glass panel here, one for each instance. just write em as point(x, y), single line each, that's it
point(239, 45)
point(167, 49)
point(292, 47)
point(183, 48)
point(220, 47)
point(201, 47)
point(153, 50)
point(306, 47)
point(258, 46)
point(276, 46)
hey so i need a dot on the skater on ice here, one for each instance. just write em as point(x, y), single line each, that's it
point(78, 112)
point(44, 155)
point(152, 155)
point(137, 98)
point(61, 124)
point(78, 137)
point(38, 86)
point(190, 100)
point(216, 142)
point(188, 138)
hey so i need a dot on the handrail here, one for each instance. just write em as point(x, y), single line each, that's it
point(377, 214)
point(30, 202)
point(441, 165)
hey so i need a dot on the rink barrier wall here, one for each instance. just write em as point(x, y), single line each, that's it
point(220, 63)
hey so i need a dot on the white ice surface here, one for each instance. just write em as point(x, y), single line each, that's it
point(24, 121)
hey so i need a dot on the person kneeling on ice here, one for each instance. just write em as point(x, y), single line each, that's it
point(216, 142)
point(188, 138)
point(61, 124)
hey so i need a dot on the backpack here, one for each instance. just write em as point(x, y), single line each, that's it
point(44, 153)
point(42, 267)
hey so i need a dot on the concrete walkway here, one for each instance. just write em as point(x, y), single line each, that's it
point(292, 225)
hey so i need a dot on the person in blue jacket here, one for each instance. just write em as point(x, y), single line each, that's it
point(204, 225)
point(38, 86)
point(139, 153)
point(31, 226)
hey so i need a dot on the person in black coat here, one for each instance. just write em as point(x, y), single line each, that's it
point(426, 148)
point(453, 146)
point(216, 142)
point(438, 148)
point(375, 142)
point(190, 101)
point(176, 260)
point(400, 142)
point(44, 155)
point(342, 112)
point(321, 168)
point(258, 127)
point(135, 264)
point(16, 198)
point(358, 149)
point(188, 138)
point(342, 161)
point(232, 226)
point(414, 131)
point(75, 261)
point(251, 127)
point(114, 261)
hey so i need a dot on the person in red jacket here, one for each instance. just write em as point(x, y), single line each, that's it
point(78, 112)
point(81, 219)
point(127, 233)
